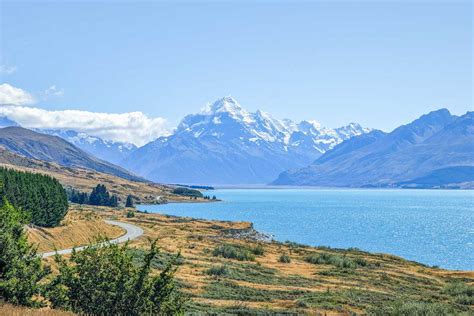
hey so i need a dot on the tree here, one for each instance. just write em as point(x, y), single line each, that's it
point(101, 197)
point(103, 280)
point(113, 201)
point(20, 266)
point(42, 197)
point(129, 202)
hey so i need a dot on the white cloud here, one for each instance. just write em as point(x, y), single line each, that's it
point(52, 91)
point(14, 96)
point(7, 70)
point(132, 127)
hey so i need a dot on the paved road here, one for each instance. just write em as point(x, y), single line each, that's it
point(132, 233)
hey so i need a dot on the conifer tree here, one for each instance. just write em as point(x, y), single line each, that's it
point(129, 202)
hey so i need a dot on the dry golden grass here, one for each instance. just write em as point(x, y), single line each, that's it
point(11, 310)
point(196, 239)
point(77, 229)
point(284, 286)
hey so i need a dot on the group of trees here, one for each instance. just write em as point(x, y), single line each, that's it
point(99, 196)
point(42, 197)
point(103, 279)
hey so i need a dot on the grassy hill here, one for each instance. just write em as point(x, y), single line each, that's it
point(85, 179)
point(54, 149)
point(227, 268)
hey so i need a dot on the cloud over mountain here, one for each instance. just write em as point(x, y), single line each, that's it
point(133, 127)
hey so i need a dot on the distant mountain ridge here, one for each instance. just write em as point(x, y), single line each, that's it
point(48, 148)
point(108, 150)
point(226, 144)
point(434, 150)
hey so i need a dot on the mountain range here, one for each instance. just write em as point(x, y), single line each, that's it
point(31, 144)
point(226, 144)
point(104, 149)
point(435, 150)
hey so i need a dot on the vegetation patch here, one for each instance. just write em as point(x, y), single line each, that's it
point(339, 261)
point(284, 259)
point(237, 252)
point(413, 308)
point(187, 192)
point(42, 197)
point(228, 290)
point(160, 261)
point(462, 293)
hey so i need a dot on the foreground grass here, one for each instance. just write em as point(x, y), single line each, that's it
point(222, 274)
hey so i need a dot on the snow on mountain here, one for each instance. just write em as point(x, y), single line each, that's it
point(108, 150)
point(226, 144)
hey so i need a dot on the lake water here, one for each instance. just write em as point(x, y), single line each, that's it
point(434, 227)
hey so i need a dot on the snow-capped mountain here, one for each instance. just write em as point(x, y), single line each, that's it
point(435, 150)
point(108, 150)
point(226, 144)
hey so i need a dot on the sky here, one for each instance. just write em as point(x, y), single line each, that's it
point(378, 63)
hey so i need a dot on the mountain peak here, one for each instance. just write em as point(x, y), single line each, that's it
point(226, 104)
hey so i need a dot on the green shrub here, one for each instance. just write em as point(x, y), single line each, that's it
point(104, 280)
point(258, 250)
point(130, 214)
point(413, 308)
point(284, 259)
point(221, 270)
point(463, 293)
point(336, 260)
point(233, 252)
point(20, 267)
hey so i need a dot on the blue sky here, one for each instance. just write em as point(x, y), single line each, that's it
point(378, 63)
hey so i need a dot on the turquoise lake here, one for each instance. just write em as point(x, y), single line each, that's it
point(434, 227)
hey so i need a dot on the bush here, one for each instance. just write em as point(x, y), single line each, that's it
point(258, 250)
point(221, 270)
point(103, 280)
point(20, 266)
point(42, 197)
point(130, 214)
point(336, 260)
point(413, 308)
point(463, 293)
point(233, 252)
point(284, 259)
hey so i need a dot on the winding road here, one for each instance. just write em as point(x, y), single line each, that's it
point(133, 232)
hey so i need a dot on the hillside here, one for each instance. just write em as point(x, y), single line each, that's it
point(226, 144)
point(85, 179)
point(436, 150)
point(54, 149)
point(311, 280)
point(107, 150)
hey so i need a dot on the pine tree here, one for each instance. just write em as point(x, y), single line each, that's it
point(20, 267)
point(41, 196)
point(129, 202)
